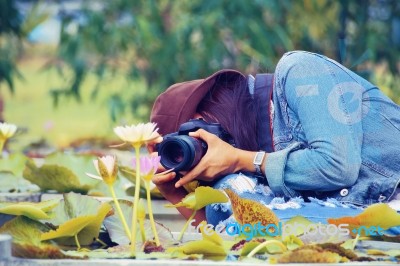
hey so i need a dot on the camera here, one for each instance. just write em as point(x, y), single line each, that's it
point(182, 152)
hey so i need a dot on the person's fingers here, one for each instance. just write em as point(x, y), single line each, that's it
point(190, 176)
point(160, 168)
point(202, 134)
point(151, 146)
point(159, 179)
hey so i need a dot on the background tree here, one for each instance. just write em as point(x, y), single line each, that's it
point(160, 42)
point(13, 32)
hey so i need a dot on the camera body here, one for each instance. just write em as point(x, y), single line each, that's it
point(182, 152)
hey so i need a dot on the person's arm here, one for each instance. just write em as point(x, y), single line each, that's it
point(220, 159)
point(327, 102)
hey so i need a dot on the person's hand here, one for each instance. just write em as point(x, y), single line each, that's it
point(151, 145)
point(220, 159)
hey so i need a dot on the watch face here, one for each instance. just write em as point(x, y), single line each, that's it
point(259, 157)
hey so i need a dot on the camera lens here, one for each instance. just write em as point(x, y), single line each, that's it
point(181, 152)
point(176, 154)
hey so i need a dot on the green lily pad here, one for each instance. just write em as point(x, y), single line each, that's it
point(76, 215)
point(122, 188)
point(117, 233)
point(114, 254)
point(211, 246)
point(27, 243)
point(32, 210)
point(10, 183)
point(13, 164)
point(63, 173)
point(201, 197)
point(129, 174)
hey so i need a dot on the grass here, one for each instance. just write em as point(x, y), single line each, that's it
point(31, 107)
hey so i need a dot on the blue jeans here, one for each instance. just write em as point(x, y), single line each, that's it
point(249, 187)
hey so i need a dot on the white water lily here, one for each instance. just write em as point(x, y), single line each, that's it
point(137, 134)
point(106, 167)
point(7, 130)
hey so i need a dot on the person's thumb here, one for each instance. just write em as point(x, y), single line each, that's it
point(202, 134)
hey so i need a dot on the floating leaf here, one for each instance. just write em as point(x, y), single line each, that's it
point(13, 164)
point(199, 247)
point(204, 247)
point(113, 253)
point(117, 233)
point(300, 224)
point(26, 241)
point(210, 245)
point(248, 211)
point(311, 233)
point(250, 245)
point(201, 197)
point(77, 215)
point(374, 216)
point(10, 183)
point(32, 210)
point(121, 188)
point(292, 242)
point(11, 180)
point(130, 174)
point(209, 234)
point(391, 253)
point(273, 246)
point(310, 254)
point(338, 249)
point(63, 173)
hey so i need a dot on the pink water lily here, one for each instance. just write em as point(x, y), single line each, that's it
point(148, 166)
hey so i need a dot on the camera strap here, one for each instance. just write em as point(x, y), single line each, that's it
point(263, 85)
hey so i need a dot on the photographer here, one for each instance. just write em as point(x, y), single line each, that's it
point(312, 129)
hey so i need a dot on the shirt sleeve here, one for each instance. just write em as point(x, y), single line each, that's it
point(322, 100)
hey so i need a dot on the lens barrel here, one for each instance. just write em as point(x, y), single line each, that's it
point(181, 152)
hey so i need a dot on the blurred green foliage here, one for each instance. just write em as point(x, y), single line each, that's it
point(13, 31)
point(165, 41)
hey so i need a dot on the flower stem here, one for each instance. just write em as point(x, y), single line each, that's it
point(121, 215)
point(2, 141)
point(186, 225)
point(149, 207)
point(77, 242)
point(136, 201)
point(142, 230)
point(264, 244)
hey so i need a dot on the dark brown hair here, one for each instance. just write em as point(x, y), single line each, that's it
point(231, 105)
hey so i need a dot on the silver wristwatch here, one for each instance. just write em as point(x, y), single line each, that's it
point(258, 160)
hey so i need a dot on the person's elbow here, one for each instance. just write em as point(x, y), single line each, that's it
point(350, 173)
point(342, 172)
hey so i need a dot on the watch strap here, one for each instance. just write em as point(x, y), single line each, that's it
point(258, 160)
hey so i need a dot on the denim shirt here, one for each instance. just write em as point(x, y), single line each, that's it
point(335, 134)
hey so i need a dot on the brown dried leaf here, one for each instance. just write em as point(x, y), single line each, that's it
point(248, 211)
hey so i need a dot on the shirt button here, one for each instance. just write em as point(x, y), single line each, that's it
point(344, 192)
point(381, 198)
